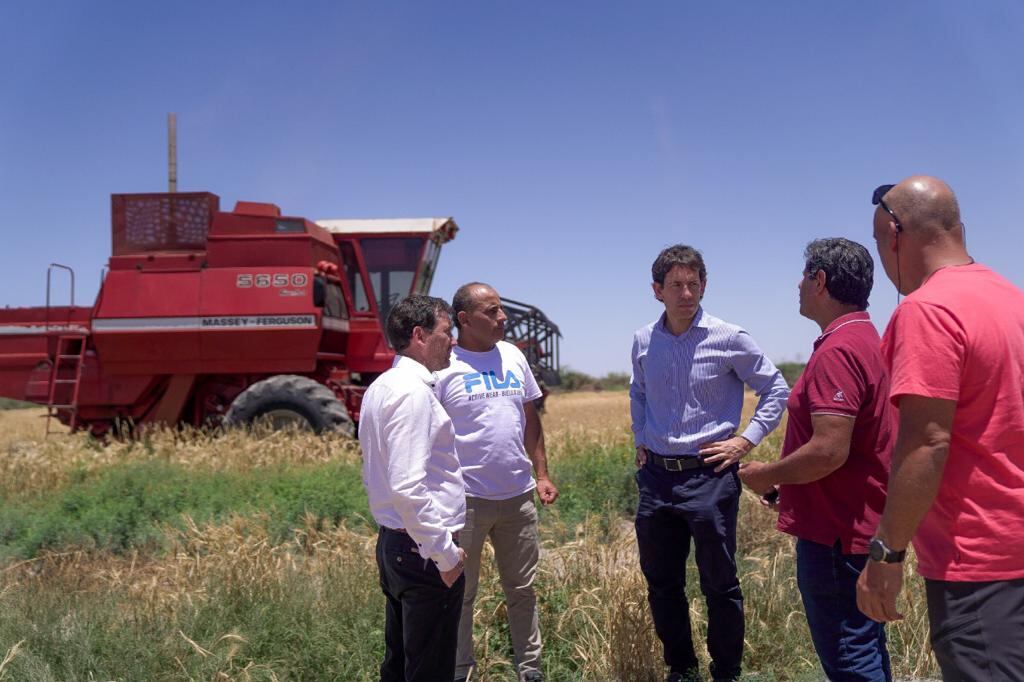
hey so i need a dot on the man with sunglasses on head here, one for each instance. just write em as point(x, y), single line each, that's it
point(686, 395)
point(955, 351)
point(834, 466)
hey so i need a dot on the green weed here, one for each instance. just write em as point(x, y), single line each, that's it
point(125, 506)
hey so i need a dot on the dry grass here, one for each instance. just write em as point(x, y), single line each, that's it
point(605, 415)
point(238, 553)
point(29, 462)
point(206, 567)
point(594, 612)
point(594, 414)
point(17, 426)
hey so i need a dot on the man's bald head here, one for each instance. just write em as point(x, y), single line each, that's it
point(467, 296)
point(932, 234)
point(924, 204)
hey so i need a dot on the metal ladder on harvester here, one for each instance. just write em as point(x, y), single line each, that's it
point(70, 356)
point(62, 391)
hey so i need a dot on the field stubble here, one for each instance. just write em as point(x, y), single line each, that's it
point(229, 601)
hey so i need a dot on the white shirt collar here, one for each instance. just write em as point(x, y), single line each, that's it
point(417, 368)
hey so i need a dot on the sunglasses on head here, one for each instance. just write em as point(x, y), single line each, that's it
point(877, 200)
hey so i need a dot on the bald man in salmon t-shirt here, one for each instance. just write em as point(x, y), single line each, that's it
point(955, 351)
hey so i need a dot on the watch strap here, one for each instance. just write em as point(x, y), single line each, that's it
point(887, 555)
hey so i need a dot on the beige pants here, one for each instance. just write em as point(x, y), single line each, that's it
point(512, 527)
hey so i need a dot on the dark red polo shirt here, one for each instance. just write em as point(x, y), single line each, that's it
point(845, 376)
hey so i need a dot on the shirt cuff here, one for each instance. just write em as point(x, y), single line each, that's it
point(449, 557)
point(755, 433)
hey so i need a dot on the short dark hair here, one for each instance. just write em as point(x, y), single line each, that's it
point(463, 300)
point(849, 269)
point(678, 254)
point(418, 310)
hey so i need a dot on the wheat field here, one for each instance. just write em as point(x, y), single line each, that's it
point(594, 615)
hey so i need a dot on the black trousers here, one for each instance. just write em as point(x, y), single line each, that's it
point(675, 507)
point(421, 619)
point(977, 629)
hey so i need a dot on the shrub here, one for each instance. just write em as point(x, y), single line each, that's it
point(791, 371)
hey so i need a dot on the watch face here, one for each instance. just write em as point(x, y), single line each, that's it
point(876, 550)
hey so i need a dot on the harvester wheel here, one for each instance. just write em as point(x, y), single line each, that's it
point(290, 400)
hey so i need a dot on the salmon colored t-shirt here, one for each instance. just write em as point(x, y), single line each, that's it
point(960, 337)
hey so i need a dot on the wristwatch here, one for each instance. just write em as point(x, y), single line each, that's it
point(879, 551)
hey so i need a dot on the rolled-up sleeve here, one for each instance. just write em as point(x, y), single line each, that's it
point(764, 378)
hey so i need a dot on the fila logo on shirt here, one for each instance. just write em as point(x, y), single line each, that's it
point(489, 381)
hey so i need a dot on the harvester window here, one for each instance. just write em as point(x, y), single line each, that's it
point(392, 263)
point(286, 225)
point(426, 277)
point(355, 282)
point(327, 295)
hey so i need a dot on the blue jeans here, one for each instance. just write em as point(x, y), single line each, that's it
point(675, 508)
point(850, 646)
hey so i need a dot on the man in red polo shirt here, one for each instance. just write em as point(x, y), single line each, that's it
point(834, 467)
point(955, 349)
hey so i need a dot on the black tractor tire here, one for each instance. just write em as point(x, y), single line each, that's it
point(288, 399)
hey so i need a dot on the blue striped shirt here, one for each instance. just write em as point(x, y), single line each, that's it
point(687, 390)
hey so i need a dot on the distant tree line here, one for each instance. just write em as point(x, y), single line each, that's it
point(574, 380)
point(791, 371)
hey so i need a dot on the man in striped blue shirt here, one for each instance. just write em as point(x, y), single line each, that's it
point(686, 395)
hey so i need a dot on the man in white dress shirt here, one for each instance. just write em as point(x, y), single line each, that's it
point(416, 495)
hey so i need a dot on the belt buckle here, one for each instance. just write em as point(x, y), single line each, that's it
point(673, 463)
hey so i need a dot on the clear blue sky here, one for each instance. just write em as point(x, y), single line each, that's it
point(570, 140)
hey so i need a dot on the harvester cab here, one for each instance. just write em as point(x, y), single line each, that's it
point(384, 261)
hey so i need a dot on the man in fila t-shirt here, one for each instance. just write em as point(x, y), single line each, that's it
point(488, 391)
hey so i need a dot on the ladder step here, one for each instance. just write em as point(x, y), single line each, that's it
point(65, 381)
point(69, 357)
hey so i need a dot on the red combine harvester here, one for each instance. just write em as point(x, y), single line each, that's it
point(207, 316)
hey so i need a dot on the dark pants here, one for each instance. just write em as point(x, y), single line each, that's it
point(977, 629)
point(675, 507)
point(850, 646)
point(421, 619)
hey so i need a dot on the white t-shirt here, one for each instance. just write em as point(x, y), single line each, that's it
point(483, 393)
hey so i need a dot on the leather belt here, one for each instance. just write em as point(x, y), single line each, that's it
point(681, 463)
